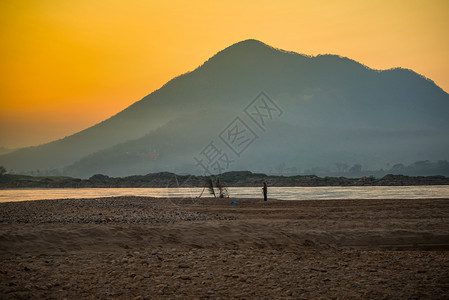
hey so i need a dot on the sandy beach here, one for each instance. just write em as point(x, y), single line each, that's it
point(149, 248)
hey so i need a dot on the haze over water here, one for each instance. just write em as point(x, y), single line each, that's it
point(282, 193)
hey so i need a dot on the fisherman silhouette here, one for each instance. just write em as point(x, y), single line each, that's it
point(265, 190)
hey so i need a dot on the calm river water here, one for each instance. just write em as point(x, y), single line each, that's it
point(283, 193)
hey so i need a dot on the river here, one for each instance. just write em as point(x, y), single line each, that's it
point(282, 193)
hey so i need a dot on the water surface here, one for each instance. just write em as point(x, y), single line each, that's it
point(283, 193)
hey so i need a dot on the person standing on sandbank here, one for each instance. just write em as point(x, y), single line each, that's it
point(265, 190)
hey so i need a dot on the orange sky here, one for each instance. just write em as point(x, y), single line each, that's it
point(67, 65)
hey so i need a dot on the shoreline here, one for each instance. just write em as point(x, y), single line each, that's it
point(225, 200)
point(157, 248)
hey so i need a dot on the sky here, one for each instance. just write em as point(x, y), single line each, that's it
point(67, 65)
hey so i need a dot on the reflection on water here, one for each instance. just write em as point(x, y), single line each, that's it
point(283, 193)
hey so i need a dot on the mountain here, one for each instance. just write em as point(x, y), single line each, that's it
point(323, 111)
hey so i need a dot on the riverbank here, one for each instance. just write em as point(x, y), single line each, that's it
point(228, 179)
point(131, 247)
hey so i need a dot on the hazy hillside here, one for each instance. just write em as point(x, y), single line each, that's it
point(334, 111)
point(4, 150)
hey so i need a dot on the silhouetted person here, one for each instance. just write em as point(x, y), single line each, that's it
point(265, 191)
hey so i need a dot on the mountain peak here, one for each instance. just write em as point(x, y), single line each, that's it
point(247, 46)
point(241, 52)
point(249, 43)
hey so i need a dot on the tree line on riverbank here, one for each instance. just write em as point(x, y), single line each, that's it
point(229, 179)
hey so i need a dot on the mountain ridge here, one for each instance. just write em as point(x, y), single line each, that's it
point(317, 90)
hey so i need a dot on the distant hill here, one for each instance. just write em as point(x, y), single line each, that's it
point(332, 114)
